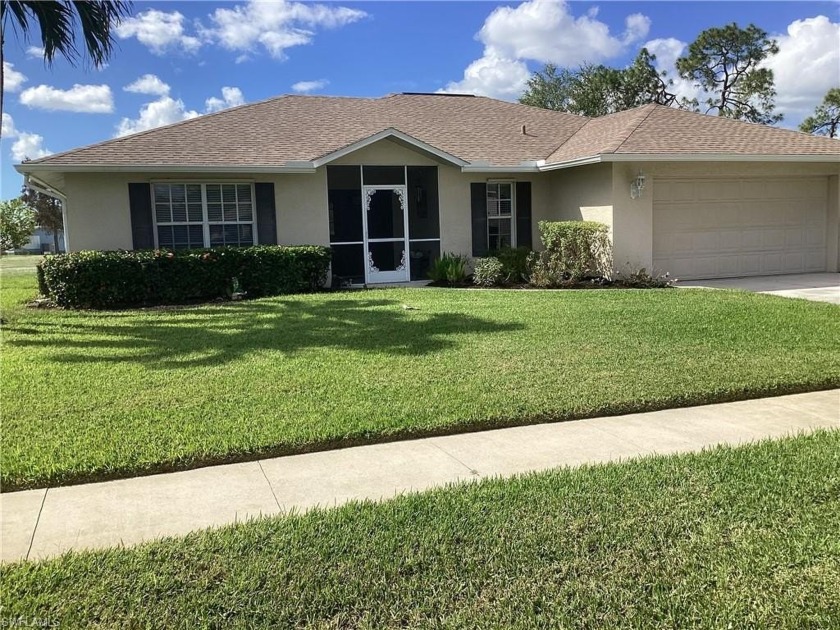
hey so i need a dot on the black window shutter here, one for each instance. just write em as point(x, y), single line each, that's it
point(478, 193)
point(266, 214)
point(523, 214)
point(142, 225)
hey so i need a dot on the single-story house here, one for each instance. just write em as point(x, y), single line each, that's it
point(390, 183)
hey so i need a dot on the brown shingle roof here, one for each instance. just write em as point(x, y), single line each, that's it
point(600, 135)
point(475, 129)
point(304, 128)
point(669, 130)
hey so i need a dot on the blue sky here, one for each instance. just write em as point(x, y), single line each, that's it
point(176, 60)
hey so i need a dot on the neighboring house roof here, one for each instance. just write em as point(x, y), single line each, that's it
point(474, 132)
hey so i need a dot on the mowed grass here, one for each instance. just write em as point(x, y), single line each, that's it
point(19, 263)
point(89, 395)
point(731, 538)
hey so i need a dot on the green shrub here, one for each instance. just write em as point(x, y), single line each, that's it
point(449, 269)
point(115, 279)
point(641, 279)
point(574, 251)
point(488, 272)
point(514, 263)
point(546, 272)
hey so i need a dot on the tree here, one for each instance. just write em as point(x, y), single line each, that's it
point(643, 83)
point(725, 63)
point(599, 90)
point(48, 214)
point(826, 118)
point(17, 223)
point(551, 89)
point(58, 21)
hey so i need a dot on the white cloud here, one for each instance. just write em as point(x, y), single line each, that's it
point(167, 110)
point(231, 97)
point(164, 111)
point(12, 79)
point(544, 31)
point(667, 51)
point(159, 31)
point(35, 52)
point(7, 129)
point(637, 28)
point(148, 84)
point(492, 76)
point(274, 26)
point(305, 87)
point(26, 146)
point(807, 65)
point(87, 99)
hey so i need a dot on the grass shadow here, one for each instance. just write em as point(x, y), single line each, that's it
point(213, 335)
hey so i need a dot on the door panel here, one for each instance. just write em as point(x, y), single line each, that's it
point(386, 240)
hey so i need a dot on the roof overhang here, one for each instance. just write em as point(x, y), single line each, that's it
point(592, 159)
point(716, 157)
point(480, 168)
point(290, 167)
point(31, 181)
point(34, 169)
point(399, 137)
point(687, 157)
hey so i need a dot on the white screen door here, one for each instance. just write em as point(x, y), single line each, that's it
point(385, 217)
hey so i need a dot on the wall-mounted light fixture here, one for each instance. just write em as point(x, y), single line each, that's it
point(637, 186)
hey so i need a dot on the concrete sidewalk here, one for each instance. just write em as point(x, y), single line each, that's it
point(42, 523)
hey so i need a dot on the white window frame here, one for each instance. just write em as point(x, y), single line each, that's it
point(511, 217)
point(205, 220)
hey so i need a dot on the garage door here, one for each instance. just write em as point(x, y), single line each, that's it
point(718, 228)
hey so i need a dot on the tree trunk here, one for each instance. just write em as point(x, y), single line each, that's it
point(55, 242)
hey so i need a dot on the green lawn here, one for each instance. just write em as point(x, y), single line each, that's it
point(95, 394)
point(730, 538)
point(19, 263)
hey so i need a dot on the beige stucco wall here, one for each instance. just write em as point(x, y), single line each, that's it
point(301, 203)
point(386, 153)
point(632, 221)
point(97, 214)
point(584, 193)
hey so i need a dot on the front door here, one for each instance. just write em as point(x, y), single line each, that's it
point(386, 238)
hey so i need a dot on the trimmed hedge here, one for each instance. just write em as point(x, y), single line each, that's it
point(118, 279)
point(574, 250)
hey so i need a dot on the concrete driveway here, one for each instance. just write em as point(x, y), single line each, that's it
point(821, 287)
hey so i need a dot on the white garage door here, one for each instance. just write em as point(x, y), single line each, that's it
point(718, 228)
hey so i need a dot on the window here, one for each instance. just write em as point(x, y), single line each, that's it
point(500, 215)
point(203, 215)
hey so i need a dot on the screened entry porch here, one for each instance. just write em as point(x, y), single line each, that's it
point(384, 223)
